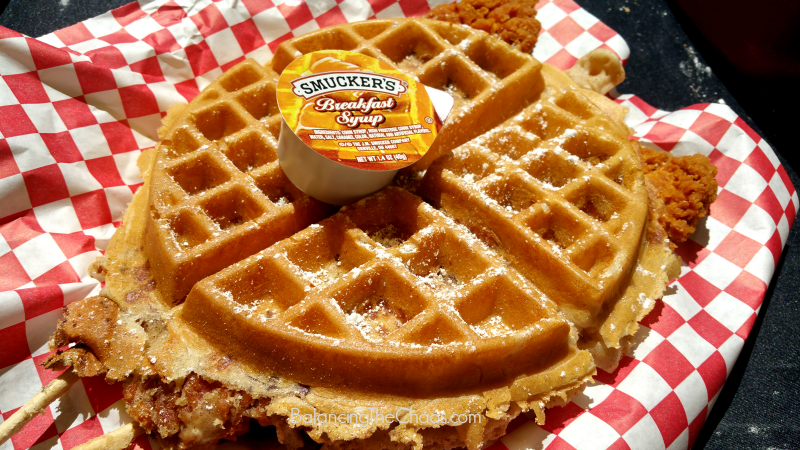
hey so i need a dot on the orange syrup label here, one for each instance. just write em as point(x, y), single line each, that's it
point(357, 110)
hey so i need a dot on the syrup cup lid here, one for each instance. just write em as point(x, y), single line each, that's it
point(350, 122)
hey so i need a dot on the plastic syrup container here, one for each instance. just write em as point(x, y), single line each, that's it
point(350, 122)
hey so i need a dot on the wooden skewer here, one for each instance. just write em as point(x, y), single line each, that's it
point(37, 404)
point(118, 439)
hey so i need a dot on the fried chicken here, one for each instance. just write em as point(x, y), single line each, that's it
point(514, 21)
point(684, 188)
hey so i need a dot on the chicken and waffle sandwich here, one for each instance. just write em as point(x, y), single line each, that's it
point(488, 281)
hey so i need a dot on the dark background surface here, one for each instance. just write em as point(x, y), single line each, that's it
point(672, 50)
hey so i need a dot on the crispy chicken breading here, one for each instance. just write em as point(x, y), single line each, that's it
point(685, 188)
point(513, 20)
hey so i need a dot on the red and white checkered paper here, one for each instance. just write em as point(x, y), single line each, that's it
point(79, 105)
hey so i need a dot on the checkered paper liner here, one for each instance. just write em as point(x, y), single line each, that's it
point(79, 105)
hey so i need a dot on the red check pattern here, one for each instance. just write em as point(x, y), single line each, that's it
point(569, 32)
point(78, 106)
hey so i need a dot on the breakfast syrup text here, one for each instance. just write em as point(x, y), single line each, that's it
point(350, 120)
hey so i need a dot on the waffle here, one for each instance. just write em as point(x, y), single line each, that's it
point(489, 284)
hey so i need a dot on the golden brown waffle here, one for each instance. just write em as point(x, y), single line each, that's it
point(389, 303)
